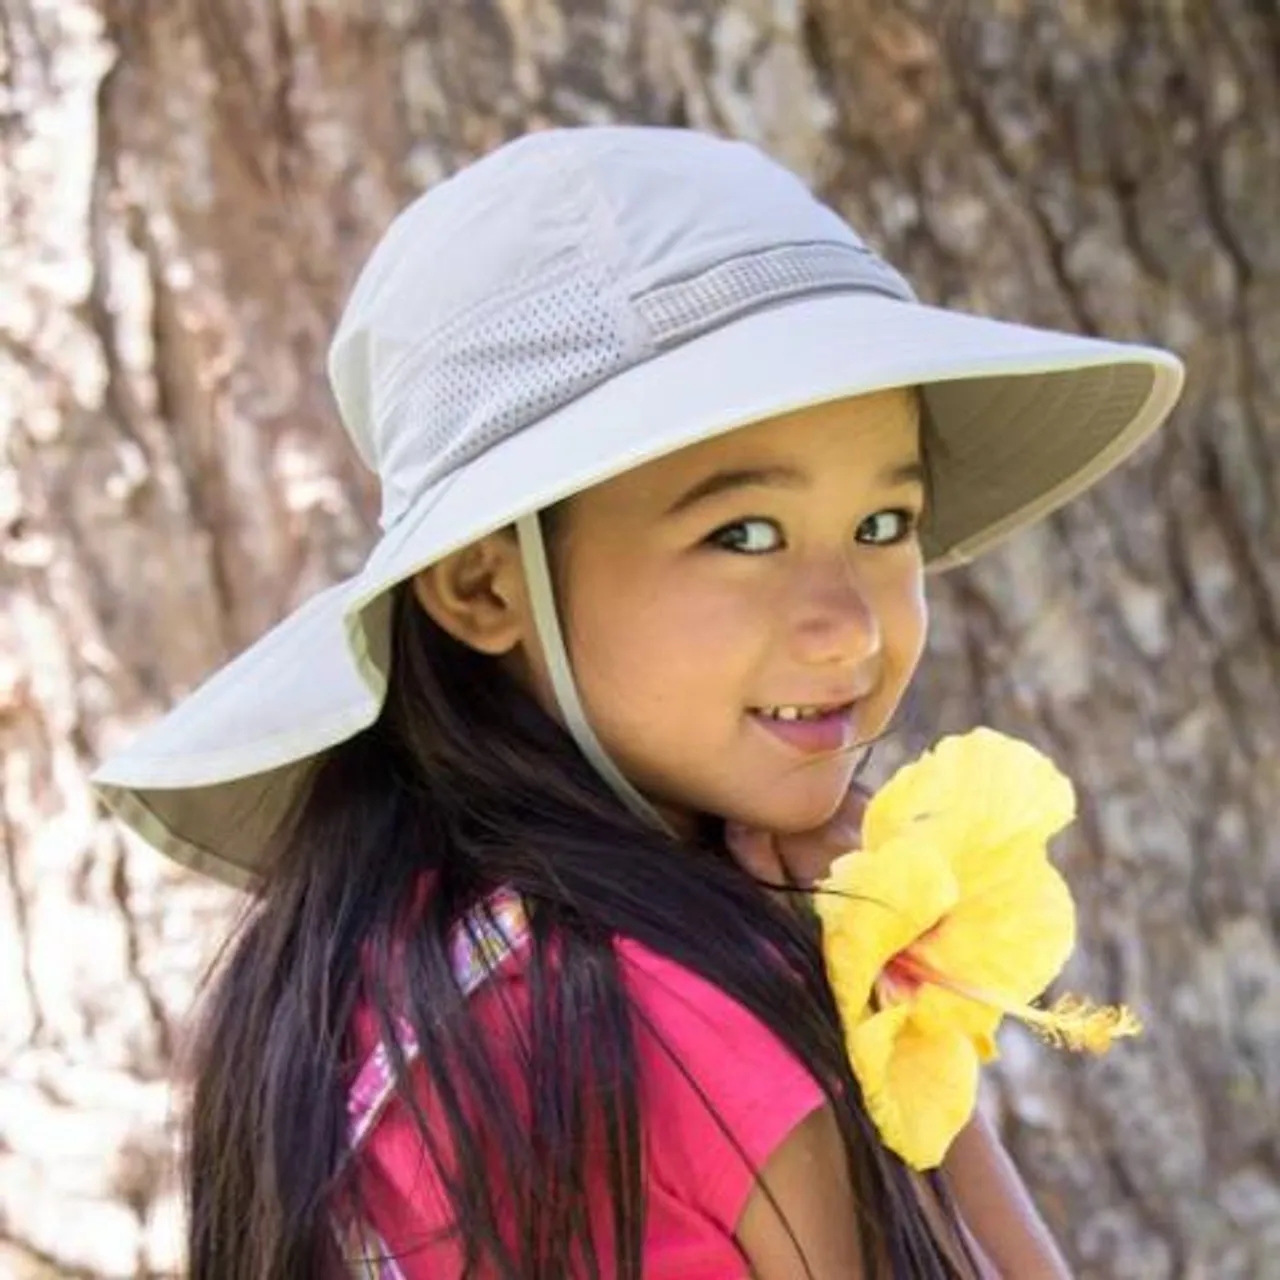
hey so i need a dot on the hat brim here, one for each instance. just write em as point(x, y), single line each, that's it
point(1024, 420)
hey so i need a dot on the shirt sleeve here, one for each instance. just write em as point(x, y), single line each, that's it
point(722, 1094)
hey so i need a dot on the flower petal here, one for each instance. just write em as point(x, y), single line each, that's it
point(875, 903)
point(998, 789)
point(920, 1087)
point(1010, 940)
point(938, 1011)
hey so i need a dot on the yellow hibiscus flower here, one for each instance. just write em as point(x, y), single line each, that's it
point(949, 917)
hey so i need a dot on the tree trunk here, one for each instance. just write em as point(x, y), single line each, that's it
point(187, 189)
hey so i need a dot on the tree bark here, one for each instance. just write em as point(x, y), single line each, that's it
point(187, 189)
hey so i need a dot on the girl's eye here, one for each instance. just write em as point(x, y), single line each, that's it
point(887, 528)
point(748, 537)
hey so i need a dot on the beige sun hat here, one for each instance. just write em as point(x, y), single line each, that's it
point(576, 303)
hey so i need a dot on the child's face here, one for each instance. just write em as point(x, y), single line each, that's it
point(686, 617)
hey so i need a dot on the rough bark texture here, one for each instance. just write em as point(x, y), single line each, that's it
point(187, 187)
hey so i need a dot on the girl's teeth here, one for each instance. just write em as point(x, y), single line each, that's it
point(793, 713)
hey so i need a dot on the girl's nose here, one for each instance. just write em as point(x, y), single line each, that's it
point(834, 623)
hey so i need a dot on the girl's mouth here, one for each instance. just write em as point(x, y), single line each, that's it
point(809, 730)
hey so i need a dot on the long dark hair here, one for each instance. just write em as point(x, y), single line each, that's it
point(464, 778)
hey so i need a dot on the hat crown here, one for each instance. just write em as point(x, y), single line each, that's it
point(555, 262)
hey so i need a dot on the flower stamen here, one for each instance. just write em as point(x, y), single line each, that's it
point(1071, 1023)
point(1076, 1023)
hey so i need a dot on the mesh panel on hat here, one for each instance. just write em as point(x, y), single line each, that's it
point(682, 309)
point(492, 375)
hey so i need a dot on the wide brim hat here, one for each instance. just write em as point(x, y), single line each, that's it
point(575, 304)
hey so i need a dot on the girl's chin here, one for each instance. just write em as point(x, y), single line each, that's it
point(790, 815)
point(787, 806)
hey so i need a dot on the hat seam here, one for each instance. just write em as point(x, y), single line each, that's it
point(405, 366)
point(599, 209)
point(516, 289)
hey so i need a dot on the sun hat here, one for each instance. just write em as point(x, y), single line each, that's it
point(573, 304)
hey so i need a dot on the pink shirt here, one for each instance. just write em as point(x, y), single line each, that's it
point(697, 1180)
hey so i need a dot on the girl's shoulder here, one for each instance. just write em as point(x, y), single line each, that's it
point(698, 1020)
point(718, 1090)
point(489, 951)
point(695, 1042)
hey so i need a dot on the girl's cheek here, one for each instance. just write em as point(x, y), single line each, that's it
point(911, 630)
point(903, 594)
point(699, 601)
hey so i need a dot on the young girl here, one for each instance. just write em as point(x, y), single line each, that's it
point(665, 451)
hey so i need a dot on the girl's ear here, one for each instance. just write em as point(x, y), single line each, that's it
point(477, 594)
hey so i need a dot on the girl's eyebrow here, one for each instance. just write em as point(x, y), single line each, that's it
point(719, 482)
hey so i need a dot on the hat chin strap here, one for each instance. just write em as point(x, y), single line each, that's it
point(533, 554)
